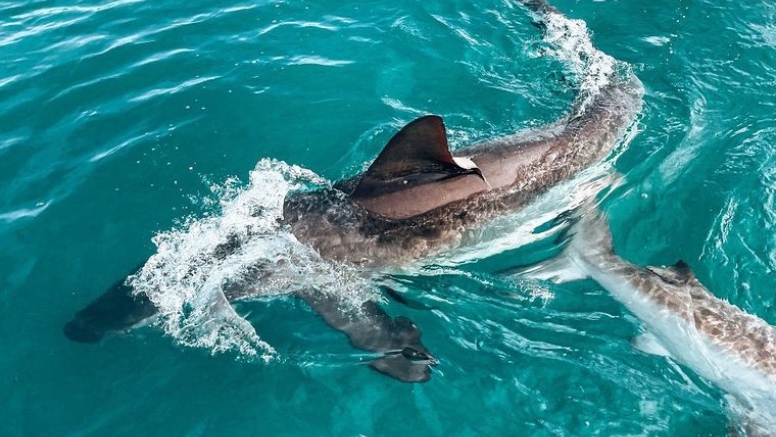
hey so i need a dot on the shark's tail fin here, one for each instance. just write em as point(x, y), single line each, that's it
point(608, 93)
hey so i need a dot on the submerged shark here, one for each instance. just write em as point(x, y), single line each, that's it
point(729, 347)
point(415, 201)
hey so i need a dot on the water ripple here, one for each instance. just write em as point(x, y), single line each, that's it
point(37, 30)
point(116, 148)
point(316, 60)
point(173, 89)
point(58, 10)
point(22, 213)
point(162, 56)
point(299, 25)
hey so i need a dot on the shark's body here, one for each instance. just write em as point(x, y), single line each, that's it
point(415, 201)
point(398, 226)
point(727, 346)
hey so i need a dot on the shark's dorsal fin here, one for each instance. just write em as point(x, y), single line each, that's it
point(420, 143)
point(417, 154)
point(677, 274)
point(683, 267)
point(684, 271)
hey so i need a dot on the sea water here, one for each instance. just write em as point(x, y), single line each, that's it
point(132, 130)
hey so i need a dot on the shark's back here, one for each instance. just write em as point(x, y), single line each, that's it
point(401, 211)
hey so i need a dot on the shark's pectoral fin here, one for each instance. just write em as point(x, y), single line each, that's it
point(416, 155)
point(649, 344)
point(410, 361)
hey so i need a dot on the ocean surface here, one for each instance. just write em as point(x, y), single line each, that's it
point(133, 129)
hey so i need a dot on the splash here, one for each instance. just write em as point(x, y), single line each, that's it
point(239, 250)
point(568, 41)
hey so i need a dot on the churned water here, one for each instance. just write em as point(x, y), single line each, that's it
point(132, 129)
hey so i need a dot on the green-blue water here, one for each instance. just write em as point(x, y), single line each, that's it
point(116, 118)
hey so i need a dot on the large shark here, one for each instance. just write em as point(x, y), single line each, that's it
point(414, 201)
point(722, 343)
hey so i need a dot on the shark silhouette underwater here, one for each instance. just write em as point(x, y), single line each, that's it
point(414, 201)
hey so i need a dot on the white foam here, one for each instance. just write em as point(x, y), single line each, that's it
point(239, 241)
point(569, 41)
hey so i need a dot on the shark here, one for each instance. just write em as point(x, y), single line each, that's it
point(414, 201)
point(727, 346)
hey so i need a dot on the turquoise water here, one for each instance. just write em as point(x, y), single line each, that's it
point(118, 119)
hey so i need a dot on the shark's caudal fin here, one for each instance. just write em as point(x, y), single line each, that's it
point(416, 155)
point(608, 92)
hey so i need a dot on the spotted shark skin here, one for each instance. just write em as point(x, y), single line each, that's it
point(731, 348)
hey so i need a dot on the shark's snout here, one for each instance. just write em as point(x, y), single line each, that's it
point(407, 365)
point(78, 330)
point(115, 310)
point(414, 354)
point(410, 361)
